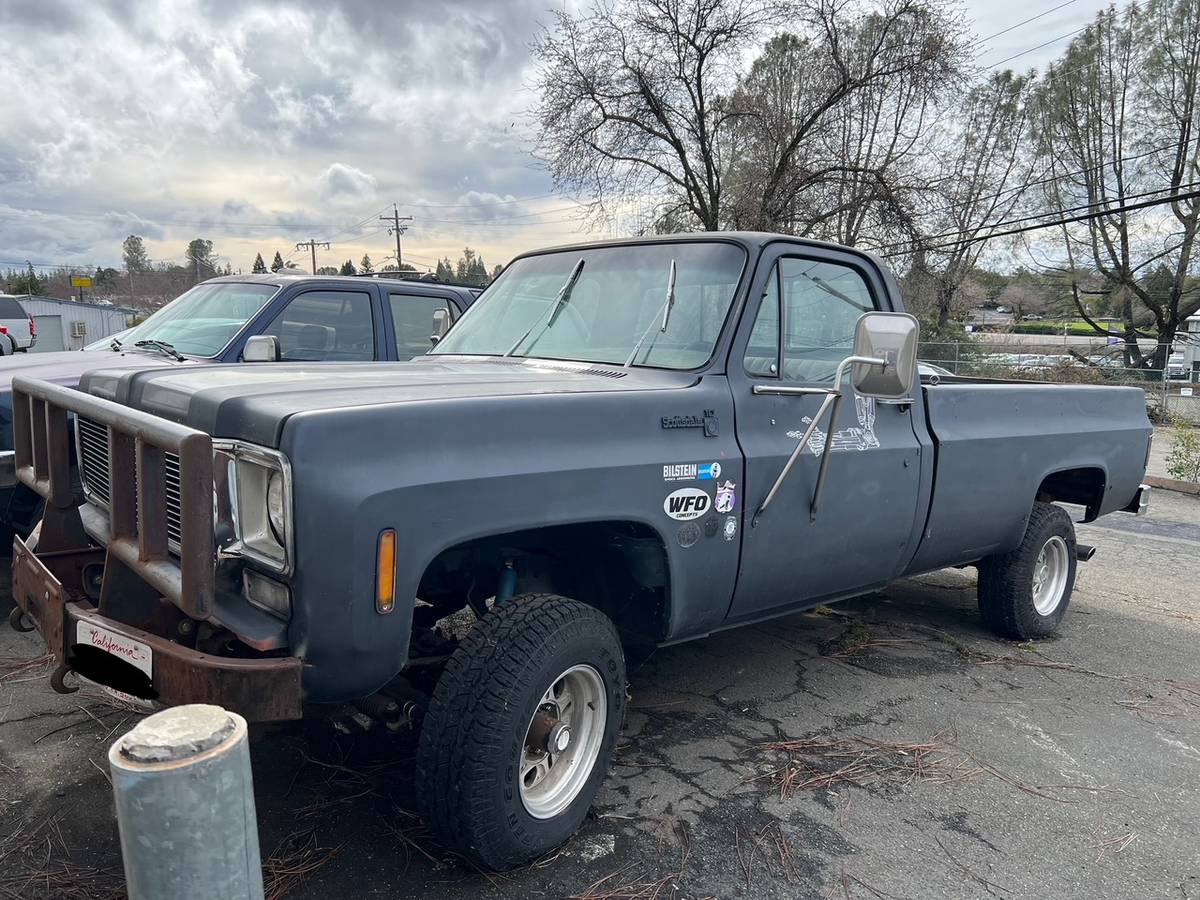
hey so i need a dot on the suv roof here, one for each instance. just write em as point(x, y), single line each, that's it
point(282, 278)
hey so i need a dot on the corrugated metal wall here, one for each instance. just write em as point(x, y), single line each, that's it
point(82, 323)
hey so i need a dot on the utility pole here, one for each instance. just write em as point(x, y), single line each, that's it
point(313, 245)
point(397, 229)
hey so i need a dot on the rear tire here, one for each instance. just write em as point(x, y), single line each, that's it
point(483, 791)
point(1024, 593)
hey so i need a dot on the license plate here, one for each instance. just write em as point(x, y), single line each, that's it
point(133, 652)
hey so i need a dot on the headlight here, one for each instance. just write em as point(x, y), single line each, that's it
point(276, 513)
point(259, 497)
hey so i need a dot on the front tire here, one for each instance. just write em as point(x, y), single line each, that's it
point(521, 730)
point(1024, 593)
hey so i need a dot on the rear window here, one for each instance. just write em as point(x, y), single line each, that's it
point(11, 309)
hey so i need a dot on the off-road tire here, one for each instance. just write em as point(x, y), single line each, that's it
point(1006, 579)
point(473, 734)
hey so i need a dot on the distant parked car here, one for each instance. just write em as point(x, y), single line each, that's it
point(1032, 317)
point(1177, 367)
point(17, 329)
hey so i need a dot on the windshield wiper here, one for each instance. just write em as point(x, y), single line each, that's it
point(161, 347)
point(668, 305)
point(560, 301)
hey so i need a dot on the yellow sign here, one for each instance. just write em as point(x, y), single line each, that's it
point(83, 281)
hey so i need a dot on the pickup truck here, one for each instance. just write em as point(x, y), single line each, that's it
point(317, 319)
point(621, 445)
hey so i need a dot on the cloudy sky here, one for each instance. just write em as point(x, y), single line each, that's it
point(260, 124)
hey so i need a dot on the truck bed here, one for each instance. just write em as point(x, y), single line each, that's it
point(996, 443)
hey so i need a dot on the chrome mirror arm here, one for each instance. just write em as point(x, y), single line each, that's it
point(832, 400)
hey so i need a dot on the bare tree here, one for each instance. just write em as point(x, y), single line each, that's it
point(1118, 120)
point(632, 97)
point(984, 170)
point(832, 116)
point(649, 100)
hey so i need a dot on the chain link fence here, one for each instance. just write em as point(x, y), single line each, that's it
point(1172, 394)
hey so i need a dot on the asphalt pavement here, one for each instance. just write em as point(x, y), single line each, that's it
point(887, 747)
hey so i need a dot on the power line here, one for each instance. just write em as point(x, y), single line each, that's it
point(1077, 208)
point(1040, 15)
point(1039, 46)
point(1052, 178)
point(1082, 217)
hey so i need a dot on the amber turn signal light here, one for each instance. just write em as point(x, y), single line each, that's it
point(385, 572)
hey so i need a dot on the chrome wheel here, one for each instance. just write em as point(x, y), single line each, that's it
point(563, 741)
point(1050, 573)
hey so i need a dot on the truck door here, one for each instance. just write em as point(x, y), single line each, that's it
point(809, 300)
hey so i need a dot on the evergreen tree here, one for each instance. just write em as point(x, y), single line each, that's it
point(277, 263)
point(348, 268)
point(366, 266)
point(28, 282)
point(133, 253)
point(496, 271)
point(445, 270)
point(201, 259)
point(260, 267)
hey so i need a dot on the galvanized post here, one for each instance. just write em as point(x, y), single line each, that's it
point(185, 806)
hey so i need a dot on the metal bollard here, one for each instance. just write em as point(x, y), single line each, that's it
point(185, 806)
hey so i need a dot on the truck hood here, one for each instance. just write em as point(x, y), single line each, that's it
point(252, 402)
point(67, 366)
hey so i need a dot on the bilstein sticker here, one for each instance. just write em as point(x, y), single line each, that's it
point(686, 504)
point(679, 472)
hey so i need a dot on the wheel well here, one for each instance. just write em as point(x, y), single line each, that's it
point(620, 568)
point(1084, 486)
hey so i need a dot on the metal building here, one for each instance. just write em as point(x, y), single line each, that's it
point(69, 325)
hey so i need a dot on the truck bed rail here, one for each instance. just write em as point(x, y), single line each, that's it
point(144, 486)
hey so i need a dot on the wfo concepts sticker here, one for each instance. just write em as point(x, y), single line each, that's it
point(686, 503)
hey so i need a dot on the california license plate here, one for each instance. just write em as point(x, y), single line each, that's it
point(135, 653)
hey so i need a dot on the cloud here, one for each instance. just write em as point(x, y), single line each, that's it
point(274, 121)
point(346, 185)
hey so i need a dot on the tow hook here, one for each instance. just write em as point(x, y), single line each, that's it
point(20, 621)
point(58, 680)
point(1084, 552)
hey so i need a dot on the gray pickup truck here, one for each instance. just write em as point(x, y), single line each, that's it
point(620, 445)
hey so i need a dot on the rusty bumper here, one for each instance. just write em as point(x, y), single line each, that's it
point(266, 689)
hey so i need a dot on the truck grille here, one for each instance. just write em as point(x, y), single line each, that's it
point(93, 460)
point(94, 467)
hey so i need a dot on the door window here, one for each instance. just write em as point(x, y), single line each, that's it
point(820, 304)
point(415, 319)
point(326, 326)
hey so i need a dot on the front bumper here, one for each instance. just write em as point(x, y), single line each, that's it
point(259, 689)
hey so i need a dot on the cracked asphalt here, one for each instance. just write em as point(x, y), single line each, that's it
point(928, 760)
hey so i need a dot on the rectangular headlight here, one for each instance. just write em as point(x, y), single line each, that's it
point(260, 503)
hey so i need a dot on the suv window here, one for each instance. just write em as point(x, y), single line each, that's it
point(413, 317)
point(821, 304)
point(326, 325)
point(11, 309)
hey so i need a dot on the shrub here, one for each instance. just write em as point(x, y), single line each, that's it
point(1183, 462)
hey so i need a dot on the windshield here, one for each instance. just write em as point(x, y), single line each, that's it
point(205, 319)
point(615, 305)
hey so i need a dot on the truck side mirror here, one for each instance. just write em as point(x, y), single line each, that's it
point(261, 348)
point(441, 321)
point(441, 324)
point(892, 338)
